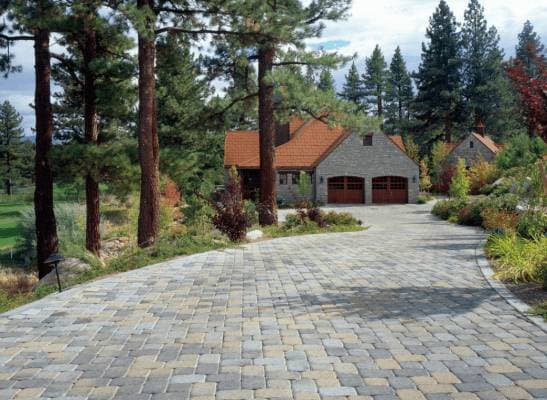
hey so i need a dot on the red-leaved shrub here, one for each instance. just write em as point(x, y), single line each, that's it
point(230, 215)
point(443, 186)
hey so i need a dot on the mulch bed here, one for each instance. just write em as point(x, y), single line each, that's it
point(530, 293)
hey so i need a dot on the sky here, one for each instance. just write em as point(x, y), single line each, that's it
point(385, 22)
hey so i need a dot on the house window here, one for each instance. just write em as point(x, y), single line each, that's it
point(294, 178)
point(471, 144)
point(283, 178)
point(367, 140)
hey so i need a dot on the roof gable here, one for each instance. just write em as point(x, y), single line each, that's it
point(309, 142)
point(486, 141)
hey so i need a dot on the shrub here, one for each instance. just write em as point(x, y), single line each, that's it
point(470, 214)
point(518, 259)
point(230, 213)
point(446, 208)
point(424, 198)
point(443, 185)
point(425, 180)
point(343, 218)
point(314, 214)
point(304, 185)
point(481, 173)
point(499, 221)
point(439, 152)
point(532, 224)
point(460, 184)
point(251, 213)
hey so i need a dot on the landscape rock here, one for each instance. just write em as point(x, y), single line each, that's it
point(69, 269)
point(113, 247)
point(255, 234)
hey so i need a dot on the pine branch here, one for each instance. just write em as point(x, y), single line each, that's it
point(15, 38)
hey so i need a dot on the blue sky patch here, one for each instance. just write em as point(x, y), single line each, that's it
point(330, 45)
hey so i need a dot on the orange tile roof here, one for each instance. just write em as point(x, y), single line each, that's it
point(240, 146)
point(310, 142)
point(398, 140)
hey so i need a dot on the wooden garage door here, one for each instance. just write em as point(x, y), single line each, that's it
point(346, 190)
point(390, 189)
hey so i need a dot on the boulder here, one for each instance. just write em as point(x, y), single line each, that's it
point(69, 269)
point(254, 234)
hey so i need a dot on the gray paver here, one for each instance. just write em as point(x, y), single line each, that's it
point(398, 310)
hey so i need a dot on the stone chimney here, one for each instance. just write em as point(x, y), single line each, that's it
point(282, 133)
point(480, 128)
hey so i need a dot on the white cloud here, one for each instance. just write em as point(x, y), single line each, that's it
point(403, 22)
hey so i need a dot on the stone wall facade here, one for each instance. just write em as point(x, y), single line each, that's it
point(470, 154)
point(352, 158)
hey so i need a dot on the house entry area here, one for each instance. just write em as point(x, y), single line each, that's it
point(346, 190)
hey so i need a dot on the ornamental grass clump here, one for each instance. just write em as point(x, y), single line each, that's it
point(517, 259)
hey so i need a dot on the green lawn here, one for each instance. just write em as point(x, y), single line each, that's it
point(9, 222)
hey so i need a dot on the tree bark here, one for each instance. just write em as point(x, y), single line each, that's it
point(448, 129)
point(266, 127)
point(46, 226)
point(149, 212)
point(91, 133)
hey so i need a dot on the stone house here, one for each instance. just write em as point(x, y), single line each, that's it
point(473, 147)
point(343, 166)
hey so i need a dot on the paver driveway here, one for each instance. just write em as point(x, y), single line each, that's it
point(398, 311)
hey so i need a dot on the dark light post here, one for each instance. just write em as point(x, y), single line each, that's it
point(55, 259)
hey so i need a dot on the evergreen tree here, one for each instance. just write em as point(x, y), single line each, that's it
point(326, 81)
point(277, 33)
point(13, 148)
point(482, 69)
point(96, 80)
point(399, 93)
point(375, 78)
point(353, 89)
point(439, 99)
point(528, 47)
point(191, 152)
point(34, 20)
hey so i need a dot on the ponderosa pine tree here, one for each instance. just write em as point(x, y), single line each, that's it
point(528, 48)
point(33, 20)
point(375, 78)
point(399, 93)
point(482, 66)
point(326, 81)
point(95, 73)
point(276, 31)
point(438, 103)
point(12, 146)
point(353, 89)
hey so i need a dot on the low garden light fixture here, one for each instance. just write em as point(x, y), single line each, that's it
point(55, 259)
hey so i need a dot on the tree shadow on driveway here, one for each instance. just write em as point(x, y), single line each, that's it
point(386, 303)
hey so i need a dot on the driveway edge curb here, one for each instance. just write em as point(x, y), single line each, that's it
point(501, 289)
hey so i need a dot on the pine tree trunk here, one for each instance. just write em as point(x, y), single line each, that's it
point(266, 126)
point(8, 182)
point(448, 130)
point(46, 227)
point(91, 133)
point(149, 212)
point(379, 101)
